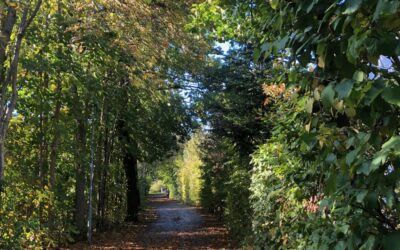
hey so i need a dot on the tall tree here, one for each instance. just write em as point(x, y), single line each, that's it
point(8, 74)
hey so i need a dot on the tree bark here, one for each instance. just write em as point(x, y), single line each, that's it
point(103, 178)
point(2, 152)
point(56, 138)
point(80, 115)
point(54, 151)
point(91, 177)
point(8, 24)
point(80, 204)
point(133, 196)
point(43, 130)
point(130, 163)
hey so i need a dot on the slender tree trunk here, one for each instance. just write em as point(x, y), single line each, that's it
point(54, 146)
point(80, 204)
point(80, 173)
point(56, 138)
point(92, 168)
point(108, 142)
point(43, 144)
point(100, 164)
point(103, 179)
point(2, 161)
point(8, 24)
point(54, 151)
point(99, 171)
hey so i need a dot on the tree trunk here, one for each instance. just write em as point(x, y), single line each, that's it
point(54, 151)
point(130, 163)
point(8, 25)
point(43, 130)
point(101, 163)
point(80, 112)
point(2, 153)
point(56, 138)
point(80, 204)
point(103, 179)
point(133, 196)
point(91, 177)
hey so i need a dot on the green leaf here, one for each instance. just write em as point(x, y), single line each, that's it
point(331, 184)
point(361, 196)
point(363, 137)
point(375, 91)
point(343, 228)
point(369, 244)
point(371, 200)
point(311, 6)
point(331, 158)
point(309, 105)
point(310, 139)
point(341, 245)
point(385, 8)
point(392, 95)
point(351, 156)
point(365, 168)
point(391, 146)
point(293, 75)
point(328, 96)
point(390, 198)
point(378, 160)
point(393, 143)
point(266, 49)
point(352, 6)
point(391, 241)
point(358, 76)
point(350, 112)
point(321, 52)
point(344, 88)
point(355, 45)
point(256, 54)
point(281, 43)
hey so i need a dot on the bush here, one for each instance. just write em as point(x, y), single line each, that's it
point(23, 210)
point(226, 182)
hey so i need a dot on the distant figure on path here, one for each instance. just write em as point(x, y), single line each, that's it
point(167, 193)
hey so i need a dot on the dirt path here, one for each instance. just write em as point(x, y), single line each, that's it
point(167, 225)
point(182, 227)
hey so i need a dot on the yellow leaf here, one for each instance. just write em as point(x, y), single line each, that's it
point(321, 62)
point(307, 127)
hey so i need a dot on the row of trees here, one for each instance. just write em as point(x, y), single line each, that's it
point(302, 117)
point(300, 147)
point(86, 94)
point(181, 173)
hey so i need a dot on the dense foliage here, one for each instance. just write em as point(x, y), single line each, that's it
point(298, 103)
point(181, 173)
point(327, 177)
point(93, 97)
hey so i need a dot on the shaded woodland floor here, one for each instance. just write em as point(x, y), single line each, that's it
point(165, 224)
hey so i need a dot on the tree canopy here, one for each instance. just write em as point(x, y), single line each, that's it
point(289, 133)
